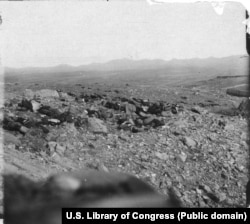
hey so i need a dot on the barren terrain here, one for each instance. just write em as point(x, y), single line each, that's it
point(171, 132)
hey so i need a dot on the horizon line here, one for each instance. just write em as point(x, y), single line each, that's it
point(125, 58)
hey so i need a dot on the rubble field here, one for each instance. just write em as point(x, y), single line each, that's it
point(191, 139)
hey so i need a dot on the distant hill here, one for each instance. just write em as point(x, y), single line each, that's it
point(232, 63)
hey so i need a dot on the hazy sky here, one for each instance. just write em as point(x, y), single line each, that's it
point(51, 33)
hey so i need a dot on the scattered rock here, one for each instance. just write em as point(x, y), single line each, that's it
point(162, 156)
point(54, 121)
point(97, 126)
point(70, 130)
point(149, 120)
point(35, 106)
point(196, 110)
point(23, 129)
point(182, 157)
point(189, 142)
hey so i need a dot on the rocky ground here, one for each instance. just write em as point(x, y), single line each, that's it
point(191, 139)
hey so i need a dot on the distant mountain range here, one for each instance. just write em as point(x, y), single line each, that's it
point(127, 64)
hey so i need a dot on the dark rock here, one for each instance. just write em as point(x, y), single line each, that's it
point(138, 122)
point(195, 110)
point(177, 108)
point(44, 129)
point(65, 117)
point(71, 94)
point(156, 108)
point(153, 122)
point(136, 129)
point(9, 124)
point(149, 120)
point(113, 105)
point(158, 122)
point(244, 107)
point(26, 104)
point(81, 121)
point(51, 112)
point(126, 125)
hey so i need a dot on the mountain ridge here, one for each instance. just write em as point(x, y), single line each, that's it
point(129, 64)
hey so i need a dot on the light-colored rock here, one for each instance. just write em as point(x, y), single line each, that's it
point(23, 130)
point(54, 121)
point(97, 126)
point(52, 146)
point(31, 105)
point(180, 124)
point(162, 156)
point(229, 127)
point(44, 93)
point(56, 158)
point(60, 149)
point(182, 157)
point(189, 142)
point(35, 106)
point(64, 182)
point(11, 139)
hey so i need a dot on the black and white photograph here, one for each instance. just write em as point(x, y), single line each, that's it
point(122, 104)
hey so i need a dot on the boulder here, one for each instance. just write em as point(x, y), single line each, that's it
point(44, 93)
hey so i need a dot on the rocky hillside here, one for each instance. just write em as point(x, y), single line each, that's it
point(190, 140)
